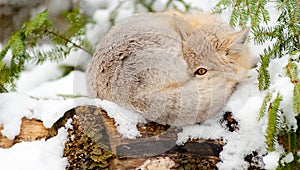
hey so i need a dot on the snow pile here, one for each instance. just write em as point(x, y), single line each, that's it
point(39, 155)
point(17, 106)
point(126, 120)
point(271, 160)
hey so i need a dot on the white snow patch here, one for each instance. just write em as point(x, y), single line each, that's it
point(288, 158)
point(40, 155)
point(126, 120)
point(16, 106)
point(78, 59)
point(271, 160)
point(29, 79)
point(209, 129)
point(13, 107)
point(72, 84)
point(247, 139)
point(68, 124)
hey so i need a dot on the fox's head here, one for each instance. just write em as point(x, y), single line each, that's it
point(215, 53)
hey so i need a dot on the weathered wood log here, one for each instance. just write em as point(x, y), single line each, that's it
point(30, 130)
point(94, 142)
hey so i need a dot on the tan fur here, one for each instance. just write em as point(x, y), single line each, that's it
point(147, 63)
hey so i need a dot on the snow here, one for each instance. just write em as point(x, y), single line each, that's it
point(40, 76)
point(207, 130)
point(249, 137)
point(126, 120)
point(288, 158)
point(50, 110)
point(16, 106)
point(42, 93)
point(271, 160)
point(40, 155)
point(285, 87)
point(72, 84)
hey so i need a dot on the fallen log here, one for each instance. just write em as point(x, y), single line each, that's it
point(94, 142)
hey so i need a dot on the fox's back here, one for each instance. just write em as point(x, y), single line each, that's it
point(130, 36)
point(149, 30)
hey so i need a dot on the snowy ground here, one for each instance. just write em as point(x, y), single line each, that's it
point(41, 94)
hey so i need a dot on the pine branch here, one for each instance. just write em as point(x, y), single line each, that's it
point(55, 34)
point(263, 73)
point(4, 51)
point(264, 104)
point(272, 128)
point(292, 73)
point(146, 5)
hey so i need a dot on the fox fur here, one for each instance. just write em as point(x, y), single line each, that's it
point(173, 68)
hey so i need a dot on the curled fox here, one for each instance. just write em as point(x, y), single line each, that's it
point(176, 69)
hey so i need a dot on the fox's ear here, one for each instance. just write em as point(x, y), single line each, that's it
point(237, 41)
point(184, 28)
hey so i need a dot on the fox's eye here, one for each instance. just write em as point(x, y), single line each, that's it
point(200, 71)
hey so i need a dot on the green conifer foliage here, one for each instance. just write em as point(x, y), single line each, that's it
point(285, 38)
point(23, 43)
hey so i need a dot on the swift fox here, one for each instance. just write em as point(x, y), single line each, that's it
point(173, 68)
